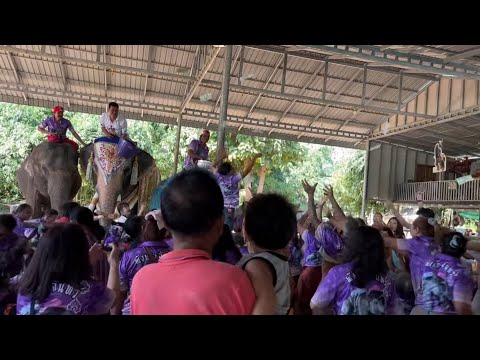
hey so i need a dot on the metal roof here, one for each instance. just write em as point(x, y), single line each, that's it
point(326, 94)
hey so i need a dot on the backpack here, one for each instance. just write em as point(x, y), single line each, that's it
point(434, 290)
point(365, 301)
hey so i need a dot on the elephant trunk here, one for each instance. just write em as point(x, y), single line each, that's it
point(108, 194)
point(59, 189)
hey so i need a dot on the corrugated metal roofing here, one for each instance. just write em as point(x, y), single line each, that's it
point(154, 79)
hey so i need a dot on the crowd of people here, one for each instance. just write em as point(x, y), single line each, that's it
point(183, 259)
point(195, 255)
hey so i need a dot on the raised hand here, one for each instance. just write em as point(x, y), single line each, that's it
point(328, 191)
point(309, 189)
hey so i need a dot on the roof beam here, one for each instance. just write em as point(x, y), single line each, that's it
point(238, 107)
point(404, 60)
point(15, 72)
point(62, 70)
point(319, 57)
point(462, 55)
point(191, 122)
point(267, 82)
point(318, 69)
point(187, 112)
point(445, 118)
point(142, 71)
point(237, 88)
point(199, 79)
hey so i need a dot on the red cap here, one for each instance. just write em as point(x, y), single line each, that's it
point(57, 109)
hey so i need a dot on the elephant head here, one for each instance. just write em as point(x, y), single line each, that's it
point(113, 179)
point(49, 177)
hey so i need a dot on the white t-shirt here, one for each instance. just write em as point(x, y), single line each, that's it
point(119, 126)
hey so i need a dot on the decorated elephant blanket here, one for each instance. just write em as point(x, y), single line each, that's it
point(107, 159)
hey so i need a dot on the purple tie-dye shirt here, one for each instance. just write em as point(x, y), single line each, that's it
point(133, 260)
point(230, 189)
point(330, 240)
point(312, 250)
point(59, 129)
point(445, 280)
point(420, 248)
point(199, 150)
point(91, 298)
point(336, 288)
point(20, 228)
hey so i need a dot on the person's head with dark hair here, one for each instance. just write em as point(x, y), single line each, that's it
point(50, 216)
point(364, 248)
point(396, 227)
point(225, 249)
point(423, 226)
point(151, 231)
point(113, 105)
point(378, 217)
point(192, 209)
point(225, 168)
point(352, 224)
point(7, 224)
point(134, 226)
point(123, 209)
point(24, 212)
point(454, 244)
point(425, 212)
point(83, 216)
point(62, 256)
point(270, 222)
point(68, 208)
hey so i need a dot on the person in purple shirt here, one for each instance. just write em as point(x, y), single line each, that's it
point(57, 127)
point(197, 150)
point(60, 275)
point(360, 286)
point(154, 245)
point(12, 249)
point(229, 181)
point(225, 249)
point(23, 213)
point(420, 248)
point(447, 286)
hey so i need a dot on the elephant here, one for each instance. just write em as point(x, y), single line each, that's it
point(114, 179)
point(49, 177)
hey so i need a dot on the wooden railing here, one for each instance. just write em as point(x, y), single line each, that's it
point(439, 191)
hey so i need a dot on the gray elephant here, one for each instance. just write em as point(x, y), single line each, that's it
point(49, 177)
point(112, 176)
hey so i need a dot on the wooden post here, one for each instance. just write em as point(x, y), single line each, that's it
point(263, 172)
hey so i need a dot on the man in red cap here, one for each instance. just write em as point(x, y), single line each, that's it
point(197, 150)
point(57, 127)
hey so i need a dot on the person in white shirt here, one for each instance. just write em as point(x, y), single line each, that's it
point(114, 125)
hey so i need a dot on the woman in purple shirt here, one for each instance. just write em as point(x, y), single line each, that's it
point(419, 248)
point(197, 150)
point(446, 285)
point(60, 275)
point(154, 244)
point(362, 285)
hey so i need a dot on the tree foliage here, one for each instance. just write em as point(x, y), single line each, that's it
point(286, 162)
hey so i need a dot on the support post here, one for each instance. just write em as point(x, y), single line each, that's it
point(177, 143)
point(363, 215)
point(222, 121)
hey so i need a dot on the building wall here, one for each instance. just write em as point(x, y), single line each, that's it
point(390, 165)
